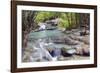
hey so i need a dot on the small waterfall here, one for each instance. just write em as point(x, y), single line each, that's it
point(42, 50)
point(42, 26)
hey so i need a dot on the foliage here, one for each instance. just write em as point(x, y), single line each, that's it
point(63, 23)
point(67, 20)
point(42, 16)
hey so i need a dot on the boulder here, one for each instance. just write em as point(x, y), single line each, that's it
point(83, 50)
point(67, 52)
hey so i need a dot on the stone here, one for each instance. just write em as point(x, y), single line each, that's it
point(67, 52)
point(83, 50)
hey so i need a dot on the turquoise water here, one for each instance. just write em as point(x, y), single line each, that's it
point(45, 33)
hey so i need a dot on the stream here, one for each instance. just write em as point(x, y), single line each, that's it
point(46, 45)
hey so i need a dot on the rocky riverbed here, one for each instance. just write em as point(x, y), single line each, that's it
point(75, 47)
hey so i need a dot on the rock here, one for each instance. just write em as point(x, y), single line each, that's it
point(55, 52)
point(69, 41)
point(58, 40)
point(83, 50)
point(71, 51)
point(26, 56)
point(67, 52)
point(84, 39)
point(53, 22)
point(64, 40)
point(86, 52)
point(60, 58)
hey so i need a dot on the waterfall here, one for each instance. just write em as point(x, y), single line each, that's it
point(44, 51)
point(42, 26)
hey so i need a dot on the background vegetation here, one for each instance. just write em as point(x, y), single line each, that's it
point(67, 20)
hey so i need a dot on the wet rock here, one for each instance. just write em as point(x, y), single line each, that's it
point(67, 52)
point(26, 56)
point(64, 40)
point(83, 50)
point(84, 39)
point(69, 41)
point(55, 52)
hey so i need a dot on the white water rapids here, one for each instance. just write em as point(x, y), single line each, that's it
point(43, 52)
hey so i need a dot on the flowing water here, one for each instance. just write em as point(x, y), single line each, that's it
point(41, 40)
point(45, 34)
